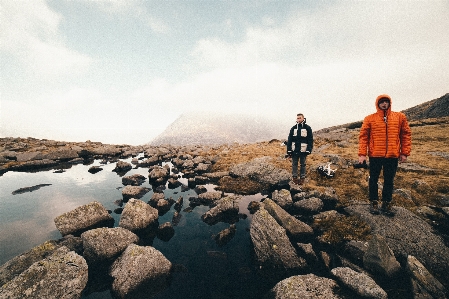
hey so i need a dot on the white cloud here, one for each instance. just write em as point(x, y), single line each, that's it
point(29, 32)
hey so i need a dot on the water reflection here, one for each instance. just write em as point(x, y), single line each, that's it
point(205, 269)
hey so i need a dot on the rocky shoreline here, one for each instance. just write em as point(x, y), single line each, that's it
point(403, 258)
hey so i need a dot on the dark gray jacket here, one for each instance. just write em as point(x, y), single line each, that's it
point(300, 134)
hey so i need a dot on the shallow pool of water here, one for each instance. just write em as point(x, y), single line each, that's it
point(209, 270)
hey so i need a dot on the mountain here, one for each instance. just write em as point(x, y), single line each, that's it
point(431, 109)
point(218, 128)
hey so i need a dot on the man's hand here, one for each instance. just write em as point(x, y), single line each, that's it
point(402, 158)
point(362, 159)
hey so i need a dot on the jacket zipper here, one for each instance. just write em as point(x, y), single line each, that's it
point(386, 133)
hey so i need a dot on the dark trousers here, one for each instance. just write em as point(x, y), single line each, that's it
point(302, 164)
point(389, 165)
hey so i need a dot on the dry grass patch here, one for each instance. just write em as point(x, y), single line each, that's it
point(336, 230)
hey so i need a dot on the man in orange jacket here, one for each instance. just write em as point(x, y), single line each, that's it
point(385, 137)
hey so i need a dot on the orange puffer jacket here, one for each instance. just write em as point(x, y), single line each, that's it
point(386, 137)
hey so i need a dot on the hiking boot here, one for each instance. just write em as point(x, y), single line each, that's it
point(295, 180)
point(387, 208)
point(301, 181)
point(374, 207)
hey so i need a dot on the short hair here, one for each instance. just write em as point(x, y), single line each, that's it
point(300, 114)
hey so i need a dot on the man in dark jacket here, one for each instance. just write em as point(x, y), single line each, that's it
point(299, 145)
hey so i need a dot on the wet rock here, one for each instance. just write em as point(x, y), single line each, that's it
point(159, 174)
point(165, 231)
point(122, 167)
point(363, 285)
point(226, 210)
point(178, 204)
point(140, 272)
point(63, 274)
point(253, 206)
point(425, 284)
point(139, 217)
point(133, 180)
point(173, 183)
point(163, 206)
point(106, 244)
point(35, 164)
point(305, 286)
point(134, 192)
point(83, 218)
point(295, 228)
point(20, 263)
point(176, 218)
point(155, 198)
point(209, 197)
point(29, 189)
point(94, 169)
point(273, 250)
point(226, 235)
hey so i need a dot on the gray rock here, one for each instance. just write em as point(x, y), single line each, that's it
point(155, 198)
point(283, 198)
point(140, 272)
point(63, 274)
point(295, 228)
point(407, 234)
point(20, 263)
point(29, 156)
point(305, 286)
point(262, 171)
point(83, 218)
point(159, 174)
point(425, 282)
point(379, 258)
point(165, 231)
point(209, 197)
point(312, 205)
point(226, 210)
point(122, 167)
point(226, 235)
point(360, 283)
point(61, 154)
point(106, 150)
point(134, 192)
point(133, 180)
point(106, 244)
point(306, 250)
point(273, 250)
point(138, 217)
point(215, 176)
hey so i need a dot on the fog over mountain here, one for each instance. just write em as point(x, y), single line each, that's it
point(217, 128)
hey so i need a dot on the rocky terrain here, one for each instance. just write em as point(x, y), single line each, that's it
point(311, 241)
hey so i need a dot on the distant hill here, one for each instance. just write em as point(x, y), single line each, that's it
point(436, 108)
point(218, 128)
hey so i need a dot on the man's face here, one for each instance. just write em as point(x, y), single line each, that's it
point(299, 119)
point(384, 104)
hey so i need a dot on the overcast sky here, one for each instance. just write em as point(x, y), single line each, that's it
point(120, 71)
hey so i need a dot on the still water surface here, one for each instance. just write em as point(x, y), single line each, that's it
point(211, 271)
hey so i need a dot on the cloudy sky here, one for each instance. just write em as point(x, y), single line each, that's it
point(120, 71)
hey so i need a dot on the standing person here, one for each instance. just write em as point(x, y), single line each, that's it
point(386, 137)
point(299, 145)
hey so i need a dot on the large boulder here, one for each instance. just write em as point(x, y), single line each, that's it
point(139, 217)
point(407, 234)
point(63, 274)
point(379, 258)
point(83, 218)
point(305, 286)
point(140, 272)
point(273, 250)
point(295, 228)
point(423, 282)
point(106, 244)
point(134, 192)
point(262, 171)
point(283, 198)
point(20, 263)
point(226, 210)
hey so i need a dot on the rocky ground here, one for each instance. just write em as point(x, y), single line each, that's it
point(312, 241)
